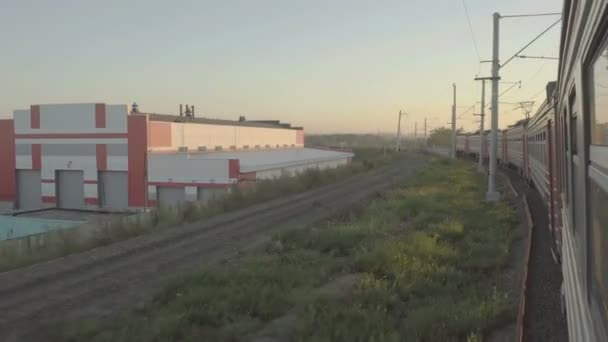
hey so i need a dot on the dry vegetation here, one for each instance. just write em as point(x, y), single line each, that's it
point(423, 263)
point(63, 242)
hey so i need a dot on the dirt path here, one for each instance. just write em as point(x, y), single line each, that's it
point(543, 320)
point(124, 275)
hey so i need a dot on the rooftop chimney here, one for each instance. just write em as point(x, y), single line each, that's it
point(181, 110)
point(192, 110)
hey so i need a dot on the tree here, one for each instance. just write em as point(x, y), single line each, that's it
point(442, 136)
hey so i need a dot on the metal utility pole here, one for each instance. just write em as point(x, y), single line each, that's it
point(493, 194)
point(398, 147)
point(425, 127)
point(482, 115)
point(453, 148)
point(415, 130)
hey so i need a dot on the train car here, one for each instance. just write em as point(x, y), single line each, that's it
point(581, 152)
point(461, 144)
point(502, 147)
point(515, 138)
point(537, 151)
point(476, 147)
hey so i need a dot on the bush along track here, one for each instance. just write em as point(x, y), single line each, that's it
point(425, 262)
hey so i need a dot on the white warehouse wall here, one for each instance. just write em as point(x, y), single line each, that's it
point(195, 135)
point(183, 168)
point(293, 170)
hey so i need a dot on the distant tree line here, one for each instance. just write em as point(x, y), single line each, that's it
point(350, 140)
point(441, 136)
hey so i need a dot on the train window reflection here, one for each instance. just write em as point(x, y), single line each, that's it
point(599, 114)
point(599, 247)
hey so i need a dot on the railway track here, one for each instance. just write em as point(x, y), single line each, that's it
point(543, 319)
point(110, 279)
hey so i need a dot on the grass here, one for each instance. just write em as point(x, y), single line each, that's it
point(429, 260)
point(63, 242)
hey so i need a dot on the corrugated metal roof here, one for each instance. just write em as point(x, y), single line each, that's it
point(258, 160)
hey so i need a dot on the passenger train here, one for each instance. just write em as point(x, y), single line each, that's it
point(563, 151)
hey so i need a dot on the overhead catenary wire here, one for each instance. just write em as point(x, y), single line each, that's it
point(466, 11)
point(540, 92)
point(530, 43)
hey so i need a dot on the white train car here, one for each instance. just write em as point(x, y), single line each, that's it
point(581, 123)
point(538, 149)
point(515, 147)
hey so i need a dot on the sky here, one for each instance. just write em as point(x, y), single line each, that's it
point(332, 66)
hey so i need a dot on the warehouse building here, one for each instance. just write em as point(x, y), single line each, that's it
point(107, 156)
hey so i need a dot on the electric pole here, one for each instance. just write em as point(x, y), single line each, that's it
point(482, 134)
point(453, 148)
point(415, 130)
point(398, 147)
point(493, 194)
point(425, 127)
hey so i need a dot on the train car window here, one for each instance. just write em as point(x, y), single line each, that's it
point(565, 130)
point(599, 104)
point(599, 248)
point(573, 126)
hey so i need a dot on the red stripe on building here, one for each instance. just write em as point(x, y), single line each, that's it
point(234, 167)
point(300, 137)
point(49, 199)
point(102, 157)
point(100, 115)
point(72, 136)
point(7, 161)
point(247, 180)
point(91, 181)
point(36, 157)
point(35, 116)
point(137, 141)
point(160, 134)
point(151, 203)
point(183, 184)
point(90, 201)
point(248, 176)
point(47, 181)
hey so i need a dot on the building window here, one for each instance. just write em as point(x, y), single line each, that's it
point(599, 103)
point(598, 200)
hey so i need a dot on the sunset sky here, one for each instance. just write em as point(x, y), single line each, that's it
point(330, 66)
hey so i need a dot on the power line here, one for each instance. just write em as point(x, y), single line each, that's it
point(511, 87)
point(530, 15)
point(466, 11)
point(540, 92)
point(530, 43)
point(466, 111)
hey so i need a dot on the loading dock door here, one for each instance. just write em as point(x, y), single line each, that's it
point(170, 197)
point(206, 194)
point(29, 189)
point(70, 189)
point(114, 189)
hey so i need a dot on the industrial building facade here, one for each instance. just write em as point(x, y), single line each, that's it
point(101, 156)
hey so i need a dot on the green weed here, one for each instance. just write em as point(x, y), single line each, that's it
point(431, 255)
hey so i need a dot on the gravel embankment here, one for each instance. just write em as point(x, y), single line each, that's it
point(543, 319)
